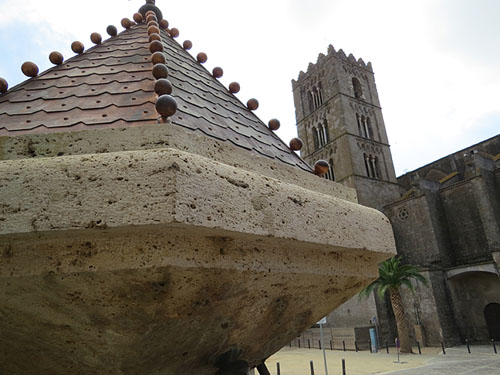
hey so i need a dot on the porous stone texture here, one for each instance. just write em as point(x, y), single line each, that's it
point(160, 252)
point(155, 136)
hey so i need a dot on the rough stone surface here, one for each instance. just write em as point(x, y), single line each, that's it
point(148, 137)
point(141, 250)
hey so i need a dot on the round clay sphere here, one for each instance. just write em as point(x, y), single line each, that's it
point(164, 24)
point(56, 58)
point(153, 30)
point(154, 37)
point(160, 71)
point(77, 47)
point(163, 87)
point(234, 87)
point(96, 38)
point(126, 23)
point(29, 69)
point(158, 58)
point(296, 144)
point(321, 167)
point(166, 105)
point(174, 33)
point(138, 17)
point(4, 86)
point(187, 45)
point(252, 104)
point(112, 30)
point(151, 17)
point(217, 72)
point(155, 46)
point(274, 124)
point(202, 57)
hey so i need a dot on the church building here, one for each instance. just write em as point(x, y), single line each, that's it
point(445, 215)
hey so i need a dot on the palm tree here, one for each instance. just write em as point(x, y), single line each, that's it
point(392, 276)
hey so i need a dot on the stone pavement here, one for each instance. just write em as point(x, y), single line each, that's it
point(457, 361)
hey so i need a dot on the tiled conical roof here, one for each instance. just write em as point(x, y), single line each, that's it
point(111, 85)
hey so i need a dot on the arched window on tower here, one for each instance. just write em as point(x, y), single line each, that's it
point(369, 130)
point(325, 131)
point(320, 94)
point(358, 119)
point(367, 165)
point(372, 166)
point(321, 135)
point(315, 138)
point(310, 101)
point(363, 126)
point(315, 97)
point(376, 168)
point(356, 85)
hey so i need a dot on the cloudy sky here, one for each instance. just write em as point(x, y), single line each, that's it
point(436, 61)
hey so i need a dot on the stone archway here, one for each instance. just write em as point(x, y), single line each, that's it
point(492, 317)
point(471, 293)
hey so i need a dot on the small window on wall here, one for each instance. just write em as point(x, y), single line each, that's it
point(356, 85)
point(311, 101)
point(369, 130)
point(325, 131)
point(358, 119)
point(372, 166)
point(315, 138)
point(320, 93)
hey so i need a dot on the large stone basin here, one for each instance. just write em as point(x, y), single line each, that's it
point(157, 261)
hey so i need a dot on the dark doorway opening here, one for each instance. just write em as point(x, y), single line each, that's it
point(492, 316)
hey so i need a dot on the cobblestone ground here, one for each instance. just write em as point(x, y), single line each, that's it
point(457, 361)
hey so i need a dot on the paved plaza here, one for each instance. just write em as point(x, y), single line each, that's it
point(457, 361)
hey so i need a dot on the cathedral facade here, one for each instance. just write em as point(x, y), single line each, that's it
point(445, 215)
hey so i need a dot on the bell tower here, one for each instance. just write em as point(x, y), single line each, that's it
point(340, 120)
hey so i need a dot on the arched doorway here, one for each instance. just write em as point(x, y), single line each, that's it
point(492, 317)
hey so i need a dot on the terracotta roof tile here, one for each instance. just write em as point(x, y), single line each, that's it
point(111, 84)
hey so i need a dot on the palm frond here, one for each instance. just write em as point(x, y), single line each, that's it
point(393, 274)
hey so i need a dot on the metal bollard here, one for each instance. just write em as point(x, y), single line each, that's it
point(386, 346)
point(299, 343)
point(494, 346)
point(319, 343)
point(331, 345)
point(418, 346)
point(343, 366)
point(468, 346)
point(442, 346)
point(278, 369)
point(356, 345)
point(309, 343)
point(311, 364)
point(343, 344)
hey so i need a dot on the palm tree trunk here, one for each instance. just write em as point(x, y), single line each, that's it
point(401, 322)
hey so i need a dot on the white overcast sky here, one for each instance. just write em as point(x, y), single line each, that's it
point(436, 62)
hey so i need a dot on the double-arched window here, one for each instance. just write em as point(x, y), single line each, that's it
point(320, 135)
point(372, 166)
point(365, 128)
point(315, 97)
